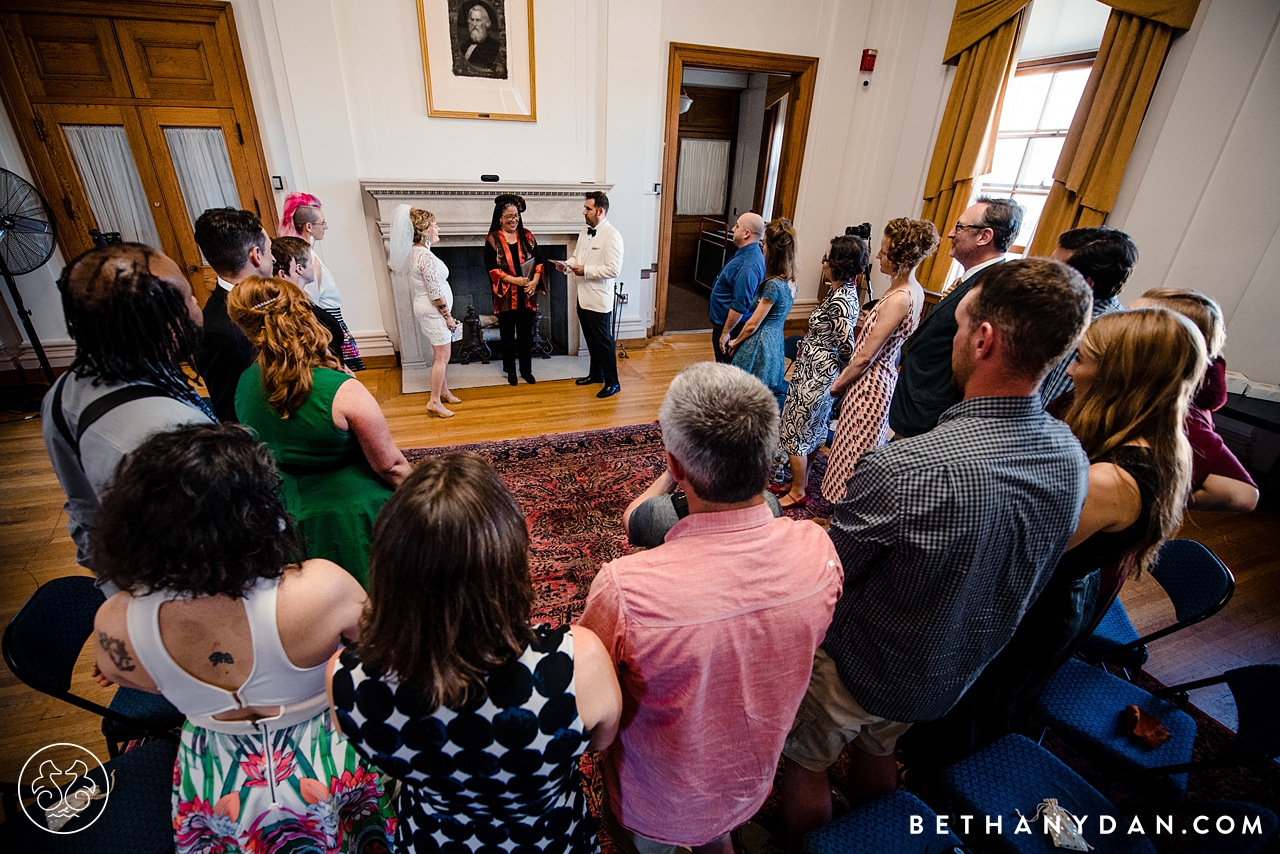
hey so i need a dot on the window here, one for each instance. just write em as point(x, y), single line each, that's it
point(1037, 112)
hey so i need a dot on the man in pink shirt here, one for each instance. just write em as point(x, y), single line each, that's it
point(714, 631)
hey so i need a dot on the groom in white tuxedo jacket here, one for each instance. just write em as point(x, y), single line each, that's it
point(595, 264)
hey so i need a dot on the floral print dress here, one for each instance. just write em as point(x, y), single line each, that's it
point(297, 789)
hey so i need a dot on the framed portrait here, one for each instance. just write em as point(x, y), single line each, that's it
point(477, 57)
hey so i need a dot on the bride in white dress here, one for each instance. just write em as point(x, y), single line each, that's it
point(413, 230)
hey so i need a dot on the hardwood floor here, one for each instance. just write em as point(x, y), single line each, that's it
point(37, 548)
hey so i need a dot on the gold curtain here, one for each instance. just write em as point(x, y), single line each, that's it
point(966, 138)
point(975, 20)
point(1105, 127)
point(1176, 13)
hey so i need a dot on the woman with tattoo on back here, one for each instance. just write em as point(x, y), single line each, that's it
point(215, 614)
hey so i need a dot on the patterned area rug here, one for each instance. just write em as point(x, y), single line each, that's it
point(573, 488)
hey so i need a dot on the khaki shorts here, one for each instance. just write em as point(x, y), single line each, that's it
point(829, 718)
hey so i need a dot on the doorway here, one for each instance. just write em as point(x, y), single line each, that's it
point(735, 135)
point(135, 120)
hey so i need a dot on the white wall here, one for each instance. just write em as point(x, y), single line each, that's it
point(1201, 195)
point(340, 97)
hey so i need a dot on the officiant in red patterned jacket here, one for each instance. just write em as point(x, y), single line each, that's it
point(515, 270)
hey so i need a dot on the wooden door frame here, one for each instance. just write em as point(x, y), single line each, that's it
point(804, 73)
point(32, 135)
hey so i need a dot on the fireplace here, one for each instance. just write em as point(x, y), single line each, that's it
point(464, 209)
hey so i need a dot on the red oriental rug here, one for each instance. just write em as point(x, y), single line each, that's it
point(574, 486)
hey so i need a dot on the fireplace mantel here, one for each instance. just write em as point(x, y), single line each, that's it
point(464, 210)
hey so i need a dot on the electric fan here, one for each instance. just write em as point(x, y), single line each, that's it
point(26, 241)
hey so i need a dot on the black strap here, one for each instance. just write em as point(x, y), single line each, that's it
point(100, 407)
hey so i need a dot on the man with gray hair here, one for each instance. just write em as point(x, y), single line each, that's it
point(689, 622)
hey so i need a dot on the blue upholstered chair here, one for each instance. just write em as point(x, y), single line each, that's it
point(43, 642)
point(1198, 584)
point(1013, 775)
point(884, 827)
point(137, 818)
point(1084, 706)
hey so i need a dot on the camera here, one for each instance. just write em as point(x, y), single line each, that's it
point(863, 231)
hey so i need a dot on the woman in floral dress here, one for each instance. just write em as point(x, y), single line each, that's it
point(212, 615)
point(872, 373)
point(823, 352)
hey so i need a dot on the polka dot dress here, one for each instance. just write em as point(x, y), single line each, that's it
point(499, 774)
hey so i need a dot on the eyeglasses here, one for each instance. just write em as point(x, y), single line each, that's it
point(510, 216)
point(960, 226)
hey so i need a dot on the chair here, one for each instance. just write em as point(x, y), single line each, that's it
point(1199, 586)
point(137, 818)
point(883, 827)
point(43, 642)
point(1014, 774)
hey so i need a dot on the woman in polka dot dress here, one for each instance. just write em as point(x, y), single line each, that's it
point(450, 690)
point(872, 373)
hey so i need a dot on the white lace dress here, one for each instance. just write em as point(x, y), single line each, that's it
point(428, 282)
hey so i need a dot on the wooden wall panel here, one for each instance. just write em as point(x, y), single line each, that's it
point(173, 61)
point(64, 57)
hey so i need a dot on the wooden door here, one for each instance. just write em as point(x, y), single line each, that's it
point(134, 72)
point(106, 180)
point(199, 158)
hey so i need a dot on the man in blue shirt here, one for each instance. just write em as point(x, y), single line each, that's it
point(736, 286)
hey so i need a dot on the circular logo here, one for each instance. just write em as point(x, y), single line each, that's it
point(67, 788)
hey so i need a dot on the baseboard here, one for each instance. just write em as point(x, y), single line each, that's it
point(375, 344)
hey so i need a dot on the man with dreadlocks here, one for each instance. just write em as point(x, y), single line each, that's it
point(135, 321)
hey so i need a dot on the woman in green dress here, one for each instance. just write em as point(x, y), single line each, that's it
point(337, 461)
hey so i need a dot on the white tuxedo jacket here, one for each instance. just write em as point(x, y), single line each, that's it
point(601, 260)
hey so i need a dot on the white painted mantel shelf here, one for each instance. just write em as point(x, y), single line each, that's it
point(464, 210)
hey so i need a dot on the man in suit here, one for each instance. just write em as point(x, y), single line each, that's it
point(980, 238)
point(236, 247)
point(482, 52)
point(595, 264)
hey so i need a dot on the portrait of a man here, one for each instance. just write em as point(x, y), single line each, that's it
point(479, 39)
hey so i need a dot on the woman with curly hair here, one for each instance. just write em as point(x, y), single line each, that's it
point(215, 615)
point(413, 230)
point(450, 689)
point(872, 374)
point(337, 460)
point(515, 270)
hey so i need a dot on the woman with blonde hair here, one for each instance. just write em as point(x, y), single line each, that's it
point(1218, 480)
point(413, 230)
point(759, 349)
point(1134, 379)
point(872, 375)
point(337, 460)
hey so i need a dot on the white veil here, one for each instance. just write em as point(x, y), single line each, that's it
point(401, 239)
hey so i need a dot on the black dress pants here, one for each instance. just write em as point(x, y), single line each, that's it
point(516, 328)
point(717, 329)
point(597, 328)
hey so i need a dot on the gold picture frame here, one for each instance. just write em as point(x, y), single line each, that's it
point(478, 59)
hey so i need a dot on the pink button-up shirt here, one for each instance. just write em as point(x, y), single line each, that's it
point(713, 633)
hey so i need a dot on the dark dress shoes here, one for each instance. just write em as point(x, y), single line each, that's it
point(587, 381)
point(529, 378)
point(511, 378)
point(609, 391)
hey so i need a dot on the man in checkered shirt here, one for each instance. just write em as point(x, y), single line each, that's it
point(946, 540)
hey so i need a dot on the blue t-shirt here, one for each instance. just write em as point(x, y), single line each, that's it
point(736, 285)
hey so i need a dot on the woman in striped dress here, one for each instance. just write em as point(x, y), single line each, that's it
point(872, 373)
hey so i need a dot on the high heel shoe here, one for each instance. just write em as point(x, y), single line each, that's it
point(795, 502)
point(451, 398)
point(440, 413)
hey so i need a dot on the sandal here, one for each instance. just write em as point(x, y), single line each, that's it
point(795, 502)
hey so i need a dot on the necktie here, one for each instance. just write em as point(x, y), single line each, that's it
point(591, 232)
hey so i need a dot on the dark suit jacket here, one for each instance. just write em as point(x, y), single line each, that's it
point(225, 352)
point(924, 388)
point(485, 56)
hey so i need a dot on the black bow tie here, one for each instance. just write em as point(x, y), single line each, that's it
point(591, 232)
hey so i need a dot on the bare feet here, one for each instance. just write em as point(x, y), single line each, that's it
point(450, 397)
point(439, 411)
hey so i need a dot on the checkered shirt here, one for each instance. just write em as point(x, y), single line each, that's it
point(946, 539)
point(1056, 382)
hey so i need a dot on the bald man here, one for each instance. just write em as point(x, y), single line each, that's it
point(736, 286)
point(135, 321)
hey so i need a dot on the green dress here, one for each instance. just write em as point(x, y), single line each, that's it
point(325, 480)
